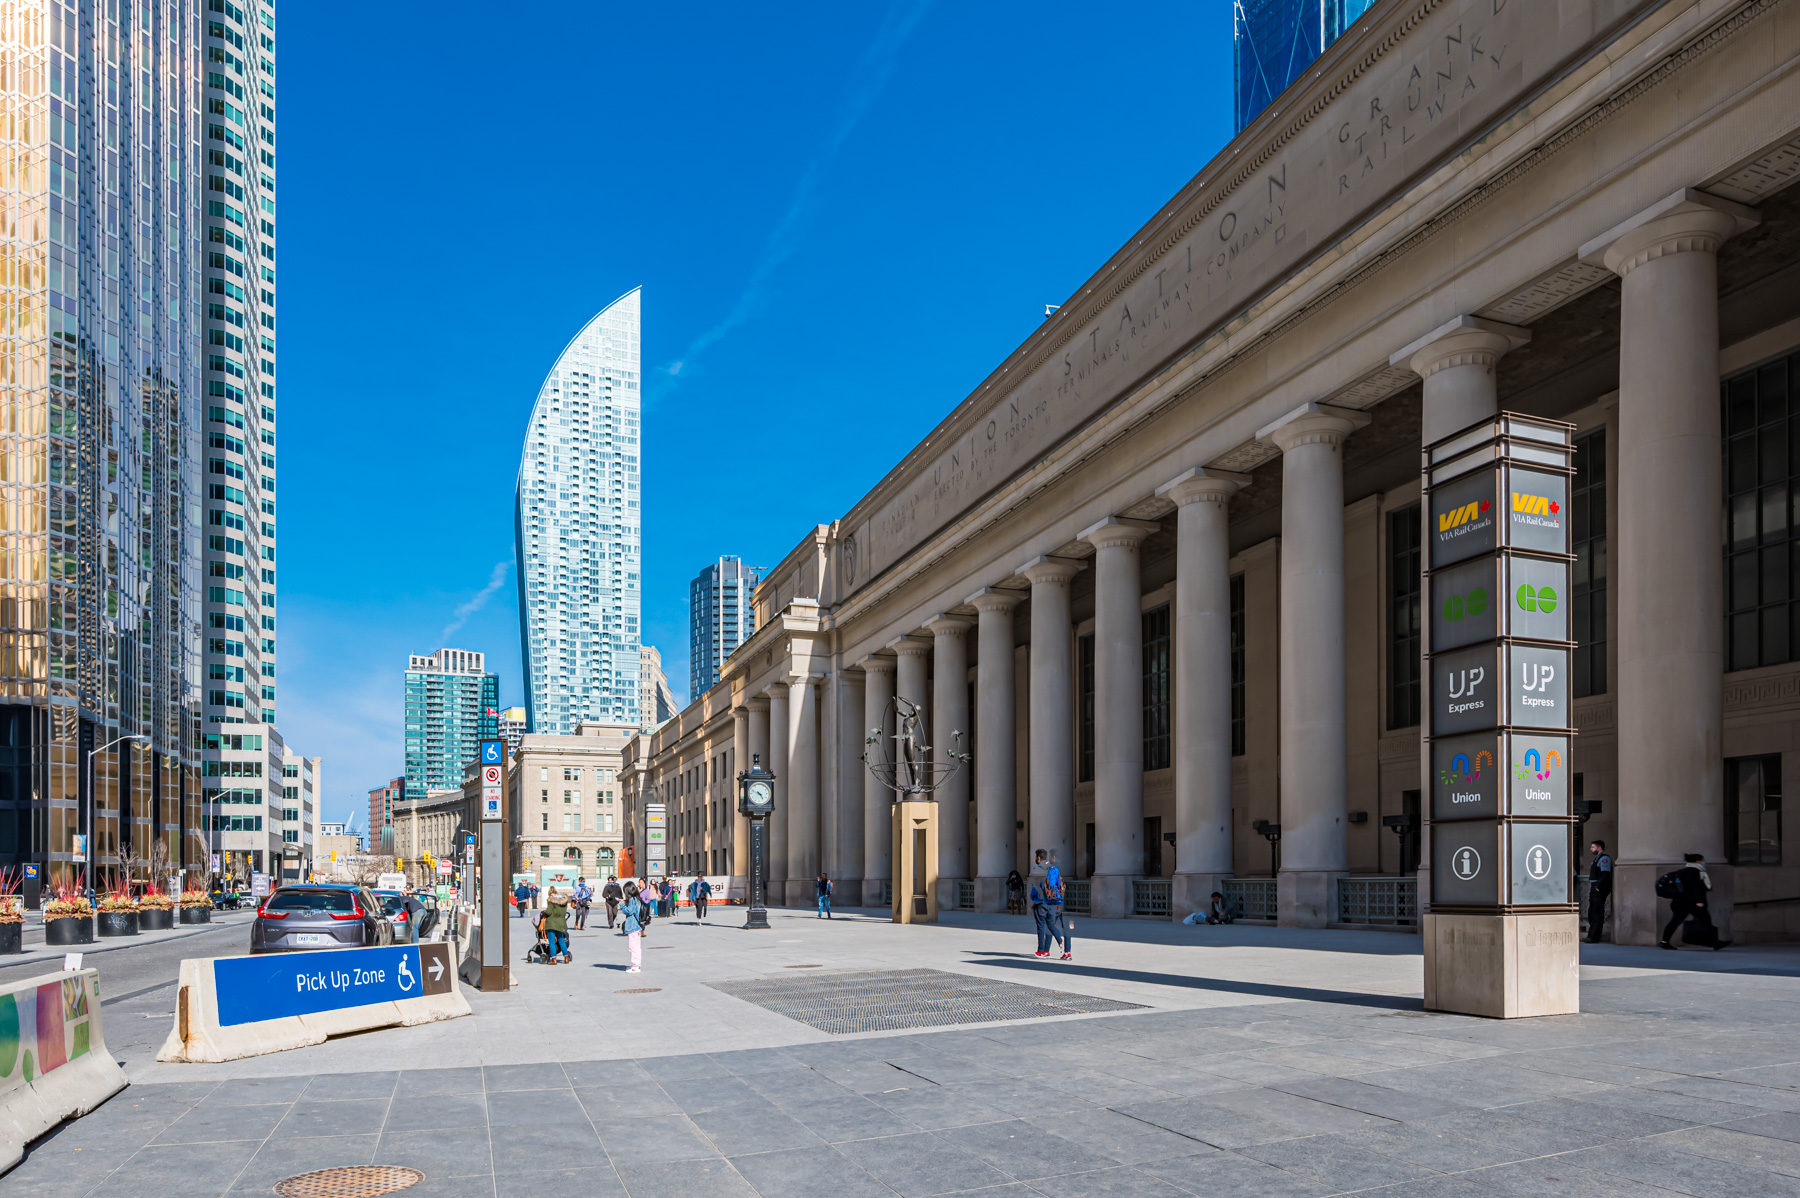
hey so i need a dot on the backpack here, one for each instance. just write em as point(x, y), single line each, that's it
point(1053, 890)
point(1671, 885)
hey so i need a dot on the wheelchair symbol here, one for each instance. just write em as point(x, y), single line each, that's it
point(407, 980)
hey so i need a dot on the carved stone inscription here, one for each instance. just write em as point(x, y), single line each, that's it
point(1441, 85)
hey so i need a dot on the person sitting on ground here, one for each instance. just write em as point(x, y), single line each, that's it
point(1218, 912)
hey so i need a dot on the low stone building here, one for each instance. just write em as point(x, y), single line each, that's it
point(564, 798)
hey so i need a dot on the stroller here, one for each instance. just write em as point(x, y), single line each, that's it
point(538, 953)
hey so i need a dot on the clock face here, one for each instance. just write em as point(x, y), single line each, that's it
point(759, 794)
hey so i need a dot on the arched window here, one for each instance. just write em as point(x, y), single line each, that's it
point(571, 854)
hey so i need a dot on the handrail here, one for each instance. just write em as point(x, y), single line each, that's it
point(1767, 902)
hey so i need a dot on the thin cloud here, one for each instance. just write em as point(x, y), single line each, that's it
point(873, 71)
point(496, 580)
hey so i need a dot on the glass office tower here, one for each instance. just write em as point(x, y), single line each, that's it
point(101, 376)
point(1274, 41)
point(720, 618)
point(578, 529)
point(452, 705)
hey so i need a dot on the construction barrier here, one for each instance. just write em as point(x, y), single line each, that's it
point(54, 1064)
point(232, 1007)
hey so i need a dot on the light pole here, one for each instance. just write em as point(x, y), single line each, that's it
point(92, 852)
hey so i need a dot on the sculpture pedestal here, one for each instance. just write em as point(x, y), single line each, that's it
point(915, 862)
point(1503, 966)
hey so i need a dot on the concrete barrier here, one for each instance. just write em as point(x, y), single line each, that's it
point(232, 1007)
point(54, 1064)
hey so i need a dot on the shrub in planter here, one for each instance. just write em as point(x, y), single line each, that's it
point(68, 918)
point(118, 913)
point(156, 911)
point(12, 923)
point(196, 906)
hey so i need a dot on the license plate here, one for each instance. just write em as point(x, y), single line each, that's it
point(311, 938)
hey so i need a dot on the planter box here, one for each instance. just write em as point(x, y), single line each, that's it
point(156, 919)
point(12, 938)
point(116, 923)
point(69, 929)
point(196, 915)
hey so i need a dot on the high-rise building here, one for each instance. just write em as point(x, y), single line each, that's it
point(101, 334)
point(1274, 41)
point(384, 801)
point(579, 528)
point(720, 618)
point(658, 702)
point(302, 781)
point(452, 705)
point(512, 727)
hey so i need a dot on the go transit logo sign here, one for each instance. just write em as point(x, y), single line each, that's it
point(1537, 599)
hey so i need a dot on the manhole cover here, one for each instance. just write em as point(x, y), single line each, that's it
point(644, 990)
point(654, 947)
point(802, 967)
point(352, 1181)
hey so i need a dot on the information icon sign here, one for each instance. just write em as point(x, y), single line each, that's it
point(1466, 863)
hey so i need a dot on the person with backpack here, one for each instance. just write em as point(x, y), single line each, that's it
point(584, 897)
point(522, 896)
point(822, 888)
point(613, 896)
point(1600, 883)
point(1047, 905)
point(556, 926)
point(636, 912)
point(1687, 890)
point(701, 893)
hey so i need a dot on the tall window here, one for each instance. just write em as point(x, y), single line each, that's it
point(1758, 561)
point(1404, 644)
point(1753, 810)
point(1156, 688)
point(1084, 675)
point(1587, 518)
point(1237, 665)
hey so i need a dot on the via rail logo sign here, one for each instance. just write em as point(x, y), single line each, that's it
point(1460, 521)
point(1539, 511)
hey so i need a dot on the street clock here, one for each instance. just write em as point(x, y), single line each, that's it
point(756, 789)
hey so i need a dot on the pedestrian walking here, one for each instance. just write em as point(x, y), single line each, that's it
point(1600, 882)
point(556, 926)
point(1015, 893)
point(584, 898)
point(701, 893)
point(633, 910)
point(522, 896)
point(613, 896)
point(822, 888)
point(1687, 890)
point(1047, 905)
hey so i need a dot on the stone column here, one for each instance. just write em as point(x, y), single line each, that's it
point(1457, 361)
point(779, 740)
point(802, 790)
point(912, 655)
point(950, 716)
point(1202, 666)
point(1313, 849)
point(1051, 717)
point(1670, 634)
point(878, 800)
point(841, 802)
point(995, 767)
point(740, 827)
point(1118, 715)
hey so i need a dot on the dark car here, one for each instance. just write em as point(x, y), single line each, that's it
point(308, 918)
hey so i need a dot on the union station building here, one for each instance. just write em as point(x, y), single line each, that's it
point(1162, 569)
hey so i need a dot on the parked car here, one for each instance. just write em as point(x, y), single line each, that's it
point(226, 899)
point(308, 918)
point(402, 911)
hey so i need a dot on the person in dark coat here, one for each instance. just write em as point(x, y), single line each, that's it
point(1600, 883)
point(1691, 903)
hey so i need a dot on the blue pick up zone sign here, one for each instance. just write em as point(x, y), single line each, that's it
point(252, 989)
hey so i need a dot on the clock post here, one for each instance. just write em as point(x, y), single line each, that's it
point(756, 800)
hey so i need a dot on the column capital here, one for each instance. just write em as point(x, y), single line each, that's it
point(1462, 341)
point(1116, 531)
point(1313, 424)
point(948, 625)
point(740, 710)
point(909, 645)
point(1686, 222)
point(989, 599)
point(776, 690)
point(874, 663)
point(1203, 485)
point(1051, 569)
point(797, 679)
point(757, 703)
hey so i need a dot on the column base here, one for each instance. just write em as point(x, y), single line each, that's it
point(1306, 898)
point(1638, 915)
point(1503, 966)
point(1189, 893)
point(990, 895)
point(1109, 896)
point(798, 891)
point(871, 894)
point(946, 893)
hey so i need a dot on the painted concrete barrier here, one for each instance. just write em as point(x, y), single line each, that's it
point(232, 1007)
point(54, 1064)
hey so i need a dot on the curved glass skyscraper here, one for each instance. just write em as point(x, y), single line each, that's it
point(579, 529)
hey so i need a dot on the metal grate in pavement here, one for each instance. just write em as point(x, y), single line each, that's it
point(880, 1000)
point(353, 1181)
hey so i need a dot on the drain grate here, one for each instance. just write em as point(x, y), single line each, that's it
point(643, 990)
point(351, 1181)
point(891, 999)
point(803, 967)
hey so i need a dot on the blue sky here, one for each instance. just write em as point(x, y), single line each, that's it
point(842, 216)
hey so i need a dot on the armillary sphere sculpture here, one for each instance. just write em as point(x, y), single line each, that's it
point(910, 770)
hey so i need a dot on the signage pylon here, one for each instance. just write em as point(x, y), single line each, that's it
point(1502, 932)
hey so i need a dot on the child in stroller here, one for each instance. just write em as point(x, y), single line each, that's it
point(538, 953)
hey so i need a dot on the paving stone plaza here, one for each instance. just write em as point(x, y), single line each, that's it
point(1213, 1061)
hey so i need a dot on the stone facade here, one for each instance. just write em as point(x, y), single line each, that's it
point(565, 801)
point(1161, 567)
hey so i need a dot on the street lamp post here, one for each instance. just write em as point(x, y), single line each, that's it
point(92, 853)
point(756, 799)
